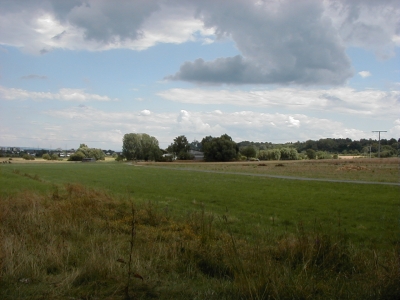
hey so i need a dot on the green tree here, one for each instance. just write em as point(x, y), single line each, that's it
point(150, 148)
point(289, 154)
point(311, 154)
point(46, 156)
point(196, 145)
point(219, 149)
point(180, 147)
point(140, 146)
point(272, 154)
point(132, 146)
point(323, 155)
point(77, 156)
point(248, 151)
point(85, 152)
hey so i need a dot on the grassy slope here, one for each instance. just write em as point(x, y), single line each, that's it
point(340, 239)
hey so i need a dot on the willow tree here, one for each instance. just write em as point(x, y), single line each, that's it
point(140, 146)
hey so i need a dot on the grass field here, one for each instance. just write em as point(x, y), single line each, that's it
point(374, 170)
point(199, 235)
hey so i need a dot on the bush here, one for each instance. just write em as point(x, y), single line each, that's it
point(386, 153)
point(273, 154)
point(77, 156)
point(323, 155)
point(28, 157)
point(46, 156)
point(311, 154)
point(302, 156)
point(185, 156)
point(119, 158)
point(288, 154)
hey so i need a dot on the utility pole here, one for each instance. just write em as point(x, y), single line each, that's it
point(369, 149)
point(379, 148)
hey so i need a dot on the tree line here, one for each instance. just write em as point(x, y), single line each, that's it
point(388, 147)
point(137, 146)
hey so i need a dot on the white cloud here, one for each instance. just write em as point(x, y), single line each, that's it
point(105, 129)
point(276, 45)
point(292, 122)
point(280, 42)
point(193, 123)
point(65, 94)
point(100, 25)
point(395, 130)
point(247, 125)
point(364, 74)
point(344, 100)
point(373, 25)
point(145, 112)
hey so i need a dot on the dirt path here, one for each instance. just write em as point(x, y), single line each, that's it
point(278, 176)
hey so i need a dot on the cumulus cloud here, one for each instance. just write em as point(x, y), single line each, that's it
point(395, 130)
point(241, 125)
point(43, 25)
point(364, 74)
point(105, 129)
point(65, 94)
point(102, 20)
point(374, 25)
point(193, 123)
point(145, 112)
point(280, 42)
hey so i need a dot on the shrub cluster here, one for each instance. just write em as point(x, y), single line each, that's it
point(28, 157)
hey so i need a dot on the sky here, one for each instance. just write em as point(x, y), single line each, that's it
point(90, 71)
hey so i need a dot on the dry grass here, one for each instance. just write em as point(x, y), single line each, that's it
point(379, 170)
point(75, 244)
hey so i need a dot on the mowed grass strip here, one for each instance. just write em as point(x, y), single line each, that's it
point(367, 214)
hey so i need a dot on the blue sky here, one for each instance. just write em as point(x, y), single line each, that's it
point(89, 71)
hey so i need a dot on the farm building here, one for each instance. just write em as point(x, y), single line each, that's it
point(197, 155)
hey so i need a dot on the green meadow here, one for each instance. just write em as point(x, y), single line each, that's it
point(214, 231)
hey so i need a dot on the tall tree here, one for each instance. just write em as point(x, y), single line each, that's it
point(132, 146)
point(219, 149)
point(248, 151)
point(196, 145)
point(140, 146)
point(150, 148)
point(180, 147)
